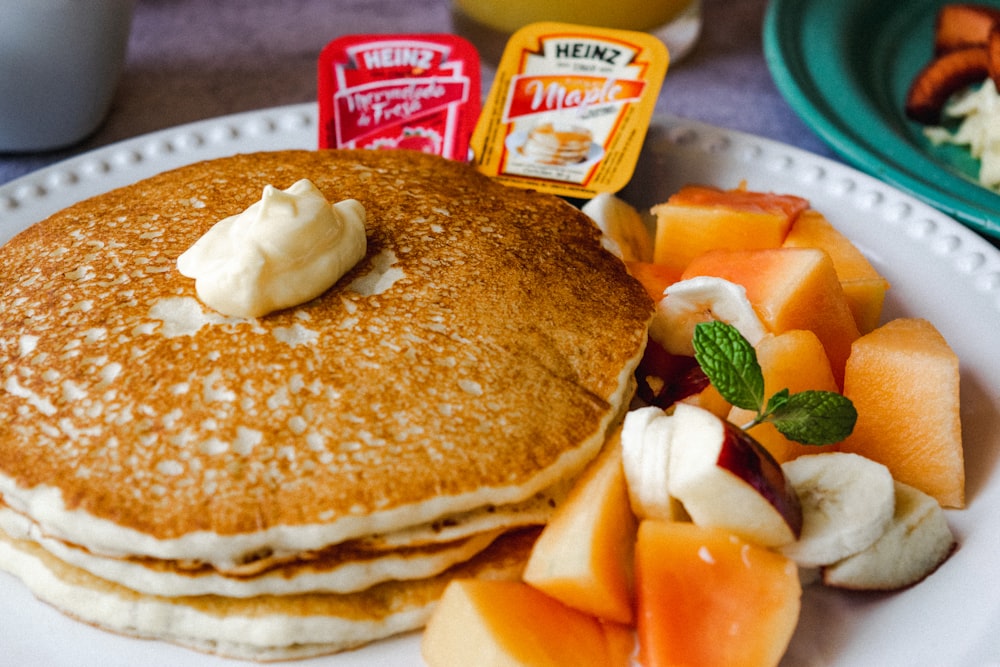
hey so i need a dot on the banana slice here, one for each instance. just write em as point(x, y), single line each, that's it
point(646, 435)
point(847, 502)
point(623, 227)
point(916, 543)
point(701, 299)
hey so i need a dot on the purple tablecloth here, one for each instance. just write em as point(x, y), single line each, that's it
point(191, 60)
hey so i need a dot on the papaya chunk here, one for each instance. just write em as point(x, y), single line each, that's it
point(943, 77)
point(698, 218)
point(959, 26)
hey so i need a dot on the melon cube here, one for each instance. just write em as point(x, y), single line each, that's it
point(863, 286)
point(654, 277)
point(710, 399)
point(699, 218)
point(584, 555)
point(904, 381)
point(707, 597)
point(511, 624)
point(797, 361)
point(865, 297)
point(790, 288)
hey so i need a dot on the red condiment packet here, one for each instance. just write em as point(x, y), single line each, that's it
point(419, 92)
point(569, 108)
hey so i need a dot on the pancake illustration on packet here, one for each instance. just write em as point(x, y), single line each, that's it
point(557, 143)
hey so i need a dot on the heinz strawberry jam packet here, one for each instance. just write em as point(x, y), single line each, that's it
point(420, 92)
point(569, 108)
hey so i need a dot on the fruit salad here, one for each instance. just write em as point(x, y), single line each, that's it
point(783, 436)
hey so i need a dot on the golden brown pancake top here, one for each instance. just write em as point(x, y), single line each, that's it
point(487, 363)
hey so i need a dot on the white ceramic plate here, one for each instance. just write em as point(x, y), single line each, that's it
point(938, 269)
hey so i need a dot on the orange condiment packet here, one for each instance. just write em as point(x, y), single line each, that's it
point(420, 92)
point(569, 108)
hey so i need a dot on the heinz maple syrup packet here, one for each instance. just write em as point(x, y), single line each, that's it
point(569, 108)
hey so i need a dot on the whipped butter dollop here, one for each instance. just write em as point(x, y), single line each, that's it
point(287, 248)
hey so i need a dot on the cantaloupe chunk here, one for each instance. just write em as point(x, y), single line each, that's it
point(654, 277)
point(865, 297)
point(710, 399)
point(790, 288)
point(707, 597)
point(511, 624)
point(584, 556)
point(904, 381)
point(621, 643)
point(863, 286)
point(797, 361)
point(699, 218)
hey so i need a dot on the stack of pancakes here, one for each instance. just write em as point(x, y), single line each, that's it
point(310, 480)
point(557, 144)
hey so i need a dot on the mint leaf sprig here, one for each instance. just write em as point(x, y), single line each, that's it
point(730, 362)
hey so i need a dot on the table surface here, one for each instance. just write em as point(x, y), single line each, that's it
point(190, 60)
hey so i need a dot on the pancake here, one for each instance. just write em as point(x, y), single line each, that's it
point(343, 568)
point(474, 357)
point(264, 628)
point(417, 552)
point(442, 392)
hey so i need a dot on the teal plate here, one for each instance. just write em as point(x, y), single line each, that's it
point(845, 68)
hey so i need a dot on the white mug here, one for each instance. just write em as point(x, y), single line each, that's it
point(60, 61)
